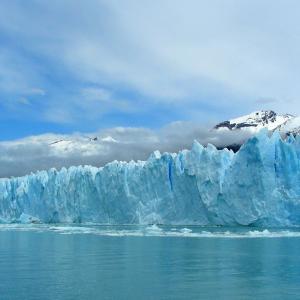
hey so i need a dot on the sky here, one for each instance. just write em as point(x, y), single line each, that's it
point(70, 65)
point(74, 66)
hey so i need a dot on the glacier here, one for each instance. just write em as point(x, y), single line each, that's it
point(257, 186)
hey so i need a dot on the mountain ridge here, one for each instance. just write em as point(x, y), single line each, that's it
point(286, 124)
point(257, 120)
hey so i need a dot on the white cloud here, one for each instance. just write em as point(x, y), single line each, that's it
point(20, 157)
point(224, 54)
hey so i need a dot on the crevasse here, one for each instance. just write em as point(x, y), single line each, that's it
point(259, 185)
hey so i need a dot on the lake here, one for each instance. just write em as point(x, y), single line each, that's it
point(148, 262)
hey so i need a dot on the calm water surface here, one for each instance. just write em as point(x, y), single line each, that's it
point(96, 262)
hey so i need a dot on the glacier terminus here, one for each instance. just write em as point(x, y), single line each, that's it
point(259, 185)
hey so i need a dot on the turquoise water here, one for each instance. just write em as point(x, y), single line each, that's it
point(154, 262)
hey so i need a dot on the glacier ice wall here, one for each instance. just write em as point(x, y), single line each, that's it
point(259, 185)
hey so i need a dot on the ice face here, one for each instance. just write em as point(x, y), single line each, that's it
point(259, 185)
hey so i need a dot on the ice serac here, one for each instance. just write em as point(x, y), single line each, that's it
point(259, 185)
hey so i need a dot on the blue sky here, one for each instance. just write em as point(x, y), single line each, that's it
point(70, 66)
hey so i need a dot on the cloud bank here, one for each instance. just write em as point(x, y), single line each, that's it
point(20, 157)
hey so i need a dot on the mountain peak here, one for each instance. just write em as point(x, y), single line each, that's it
point(256, 120)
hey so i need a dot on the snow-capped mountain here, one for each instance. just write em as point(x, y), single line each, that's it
point(258, 120)
point(252, 123)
